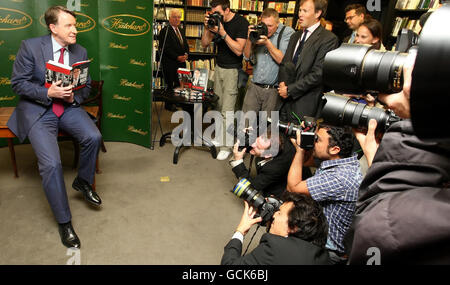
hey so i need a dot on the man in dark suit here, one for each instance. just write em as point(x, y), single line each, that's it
point(42, 112)
point(296, 235)
point(174, 51)
point(273, 159)
point(304, 57)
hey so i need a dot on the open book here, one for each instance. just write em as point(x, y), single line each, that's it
point(75, 75)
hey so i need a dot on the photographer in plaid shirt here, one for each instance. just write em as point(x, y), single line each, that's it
point(334, 185)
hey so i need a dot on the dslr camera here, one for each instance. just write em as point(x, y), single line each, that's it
point(265, 207)
point(259, 30)
point(214, 19)
point(308, 132)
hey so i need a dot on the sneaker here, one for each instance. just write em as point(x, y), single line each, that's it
point(223, 154)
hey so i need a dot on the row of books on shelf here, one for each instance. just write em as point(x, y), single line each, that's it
point(248, 5)
point(406, 23)
point(283, 7)
point(202, 63)
point(198, 3)
point(194, 30)
point(287, 21)
point(416, 4)
point(195, 45)
point(158, 82)
point(170, 2)
point(195, 15)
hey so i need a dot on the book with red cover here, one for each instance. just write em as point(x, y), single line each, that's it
point(75, 75)
point(185, 77)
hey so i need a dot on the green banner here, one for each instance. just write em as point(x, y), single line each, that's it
point(117, 35)
point(125, 41)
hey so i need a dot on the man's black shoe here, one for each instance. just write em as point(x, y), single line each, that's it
point(88, 193)
point(68, 236)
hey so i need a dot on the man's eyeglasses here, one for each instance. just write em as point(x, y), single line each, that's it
point(349, 18)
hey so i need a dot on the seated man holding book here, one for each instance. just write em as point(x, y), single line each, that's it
point(42, 112)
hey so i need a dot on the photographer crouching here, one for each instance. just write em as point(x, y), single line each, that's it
point(273, 157)
point(296, 235)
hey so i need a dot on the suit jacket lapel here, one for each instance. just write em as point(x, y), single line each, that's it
point(311, 40)
point(72, 56)
point(47, 48)
point(290, 53)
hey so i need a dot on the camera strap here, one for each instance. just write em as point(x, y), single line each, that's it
point(280, 36)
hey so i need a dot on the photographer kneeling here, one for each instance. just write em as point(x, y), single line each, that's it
point(334, 185)
point(297, 235)
point(273, 158)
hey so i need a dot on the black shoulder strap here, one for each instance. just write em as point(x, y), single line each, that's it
point(280, 36)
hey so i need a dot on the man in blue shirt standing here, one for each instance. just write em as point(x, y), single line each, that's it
point(268, 52)
point(334, 185)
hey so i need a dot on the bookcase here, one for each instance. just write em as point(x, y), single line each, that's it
point(405, 14)
point(193, 12)
point(192, 16)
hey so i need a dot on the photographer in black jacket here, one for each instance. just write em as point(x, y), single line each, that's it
point(273, 156)
point(297, 235)
point(402, 210)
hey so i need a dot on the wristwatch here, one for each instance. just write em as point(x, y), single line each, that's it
point(224, 36)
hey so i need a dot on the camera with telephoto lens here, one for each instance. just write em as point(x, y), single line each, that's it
point(340, 111)
point(265, 207)
point(214, 19)
point(259, 30)
point(360, 69)
point(307, 133)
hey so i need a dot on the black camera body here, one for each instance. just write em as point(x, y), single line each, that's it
point(308, 133)
point(265, 207)
point(259, 30)
point(214, 19)
point(247, 144)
